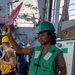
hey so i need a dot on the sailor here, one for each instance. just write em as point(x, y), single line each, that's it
point(8, 60)
point(47, 59)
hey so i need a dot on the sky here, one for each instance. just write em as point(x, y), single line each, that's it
point(72, 9)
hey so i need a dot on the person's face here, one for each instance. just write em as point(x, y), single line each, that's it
point(5, 45)
point(43, 38)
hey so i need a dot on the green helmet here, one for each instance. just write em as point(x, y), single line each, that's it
point(44, 26)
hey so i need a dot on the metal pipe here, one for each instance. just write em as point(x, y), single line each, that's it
point(56, 21)
point(54, 4)
point(50, 10)
point(44, 10)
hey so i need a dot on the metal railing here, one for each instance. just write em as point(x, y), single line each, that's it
point(72, 10)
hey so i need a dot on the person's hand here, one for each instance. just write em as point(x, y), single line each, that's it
point(6, 28)
point(1, 60)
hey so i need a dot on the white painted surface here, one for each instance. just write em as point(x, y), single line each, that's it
point(69, 57)
point(67, 24)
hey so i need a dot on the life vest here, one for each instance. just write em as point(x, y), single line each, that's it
point(7, 68)
point(43, 65)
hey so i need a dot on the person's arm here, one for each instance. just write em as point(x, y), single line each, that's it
point(61, 64)
point(11, 59)
point(27, 51)
point(8, 63)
